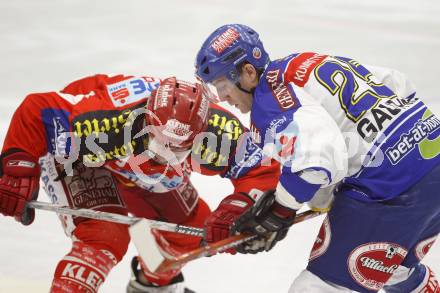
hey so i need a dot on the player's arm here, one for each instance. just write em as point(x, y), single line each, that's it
point(312, 152)
point(232, 154)
point(317, 158)
point(32, 133)
point(249, 186)
point(42, 115)
point(25, 142)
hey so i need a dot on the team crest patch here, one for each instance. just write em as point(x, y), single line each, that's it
point(372, 264)
point(423, 247)
point(256, 53)
point(91, 188)
point(322, 241)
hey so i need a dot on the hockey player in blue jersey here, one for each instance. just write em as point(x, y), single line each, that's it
point(339, 128)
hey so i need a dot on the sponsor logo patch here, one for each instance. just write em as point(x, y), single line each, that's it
point(322, 241)
point(372, 264)
point(238, 203)
point(204, 108)
point(416, 135)
point(48, 173)
point(129, 91)
point(255, 134)
point(19, 163)
point(78, 273)
point(423, 247)
point(283, 145)
point(117, 126)
point(226, 124)
point(177, 130)
point(91, 188)
point(299, 68)
point(225, 40)
point(247, 156)
point(163, 93)
point(57, 126)
point(286, 99)
point(429, 147)
point(214, 147)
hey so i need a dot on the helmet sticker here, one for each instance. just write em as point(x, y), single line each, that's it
point(225, 40)
point(256, 53)
point(162, 96)
point(203, 110)
point(177, 130)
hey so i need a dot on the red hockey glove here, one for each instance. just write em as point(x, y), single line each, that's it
point(19, 183)
point(218, 224)
point(266, 218)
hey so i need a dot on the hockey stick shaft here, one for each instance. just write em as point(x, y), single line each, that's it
point(115, 218)
point(222, 245)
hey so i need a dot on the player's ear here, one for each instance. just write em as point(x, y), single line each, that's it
point(251, 74)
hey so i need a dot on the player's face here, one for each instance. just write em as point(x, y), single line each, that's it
point(229, 92)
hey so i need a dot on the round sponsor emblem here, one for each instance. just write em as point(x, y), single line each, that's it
point(256, 52)
point(322, 241)
point(423, 247)
point(372, 264)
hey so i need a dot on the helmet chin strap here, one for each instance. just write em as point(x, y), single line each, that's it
point(243, 90)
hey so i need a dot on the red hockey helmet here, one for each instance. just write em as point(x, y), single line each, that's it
point(178, 111)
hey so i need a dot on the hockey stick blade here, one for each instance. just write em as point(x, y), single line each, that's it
point(222, 245)
point(207, 250)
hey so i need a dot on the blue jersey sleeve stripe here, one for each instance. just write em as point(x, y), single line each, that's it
point(299, 188)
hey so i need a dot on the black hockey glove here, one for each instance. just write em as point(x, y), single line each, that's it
point(268, 219)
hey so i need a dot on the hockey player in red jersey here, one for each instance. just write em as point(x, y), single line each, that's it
point(122, 144)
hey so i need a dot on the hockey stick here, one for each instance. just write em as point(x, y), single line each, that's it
point(222, 245)
point(140, 229)
point(149, 251)
point(115, 218)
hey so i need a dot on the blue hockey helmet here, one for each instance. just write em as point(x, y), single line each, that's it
point(227, 47)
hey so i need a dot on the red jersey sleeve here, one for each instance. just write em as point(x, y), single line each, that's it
point(92, 105)
point(27, 127)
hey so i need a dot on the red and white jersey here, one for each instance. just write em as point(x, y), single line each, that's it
point(99, 121)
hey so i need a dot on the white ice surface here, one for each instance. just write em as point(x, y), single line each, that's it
point(45, 44)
